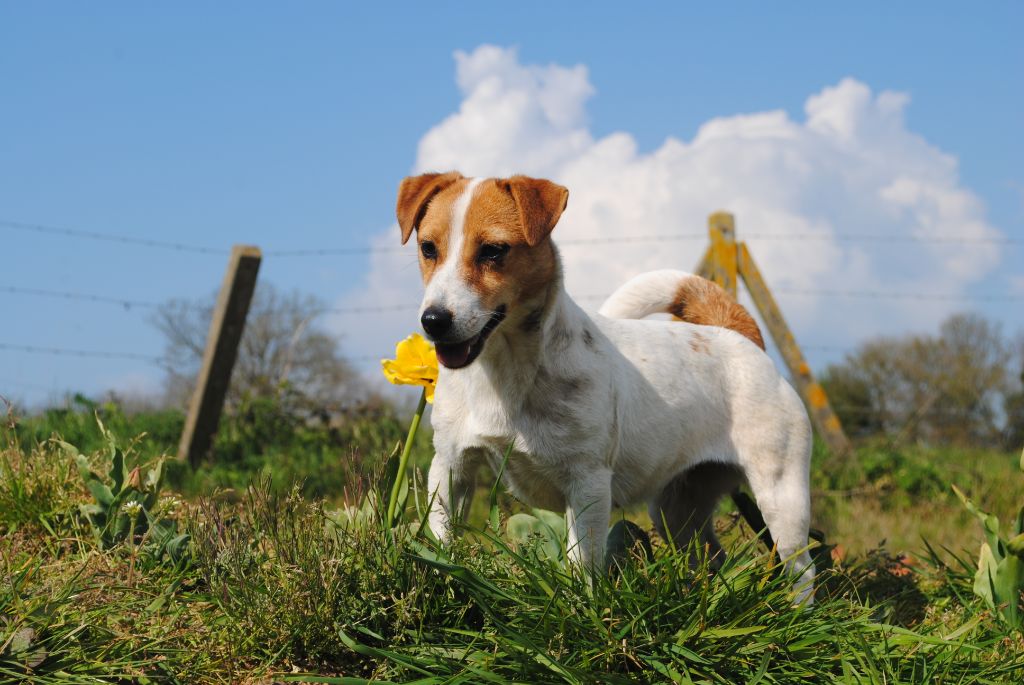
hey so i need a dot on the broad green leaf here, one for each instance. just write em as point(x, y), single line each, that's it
point(989, 523)
point(99, 490)
point(155, 477)
point(555, 522)
point(984, 577)
point(91, 510)
point(520, 526)
point(21, 640)
point(153, 482)
point(177, 547)
point(122, 525)
point(117, 472)
point(1015, 545)
point(1008, 583)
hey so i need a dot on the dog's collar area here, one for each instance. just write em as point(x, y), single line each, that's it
point(459, 355)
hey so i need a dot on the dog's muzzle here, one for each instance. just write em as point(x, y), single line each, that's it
point(461, 354)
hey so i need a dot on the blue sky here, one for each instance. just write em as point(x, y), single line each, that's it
point(289, 126)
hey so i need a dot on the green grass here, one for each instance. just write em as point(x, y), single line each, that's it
point(898, 497)
point(879, 495)
point(274, 590)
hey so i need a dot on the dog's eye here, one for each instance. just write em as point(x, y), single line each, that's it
point(492, 252)
point(428, 249)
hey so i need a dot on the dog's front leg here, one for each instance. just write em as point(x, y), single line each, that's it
point(450, 485)
point(589, 504)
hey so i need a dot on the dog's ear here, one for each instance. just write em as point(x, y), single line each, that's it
point(540, 203)
point(414, 193)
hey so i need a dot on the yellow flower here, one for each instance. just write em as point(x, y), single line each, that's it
point(415, 363)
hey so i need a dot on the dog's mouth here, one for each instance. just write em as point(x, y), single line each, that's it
point(458, 355)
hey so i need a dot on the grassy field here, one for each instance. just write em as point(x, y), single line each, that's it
point(210, 579)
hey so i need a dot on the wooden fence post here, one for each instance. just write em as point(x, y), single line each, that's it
point(722, 230)
point(222, 341)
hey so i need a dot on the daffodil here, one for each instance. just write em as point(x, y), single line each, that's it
point(415, 363)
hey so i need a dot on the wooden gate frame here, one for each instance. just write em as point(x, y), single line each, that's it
point(722, 262)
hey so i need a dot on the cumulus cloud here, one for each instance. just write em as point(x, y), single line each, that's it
point(850, 169)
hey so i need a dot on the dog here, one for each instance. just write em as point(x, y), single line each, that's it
point(601, 411)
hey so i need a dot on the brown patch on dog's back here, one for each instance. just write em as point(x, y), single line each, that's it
point(704, 302)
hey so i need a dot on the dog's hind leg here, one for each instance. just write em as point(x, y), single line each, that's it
point(780, 486)
point(684, 508)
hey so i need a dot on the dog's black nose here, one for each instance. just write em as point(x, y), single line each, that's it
point(436, 321)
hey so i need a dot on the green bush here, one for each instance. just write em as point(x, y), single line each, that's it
point(906, 473)
point(76, 423)
point(327, 456)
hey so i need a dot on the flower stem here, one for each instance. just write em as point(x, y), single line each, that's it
point(403, 461)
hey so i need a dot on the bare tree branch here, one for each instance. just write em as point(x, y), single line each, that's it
point(283, 352)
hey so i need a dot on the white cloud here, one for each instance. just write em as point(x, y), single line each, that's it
point(850, 168)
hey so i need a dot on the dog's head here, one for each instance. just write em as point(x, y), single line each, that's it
point(484, 252)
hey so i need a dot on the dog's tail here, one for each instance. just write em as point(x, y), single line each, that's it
point(685, 296)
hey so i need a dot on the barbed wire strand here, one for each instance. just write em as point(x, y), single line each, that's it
point(881, 238)
point(898, 295)
point(71, 295)
point(602, 240)
point(162, 362)
point(372, 249)
point(387, 308)
point(63, 351)
point(112, 237)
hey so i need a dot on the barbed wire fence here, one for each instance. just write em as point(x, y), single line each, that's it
point(130, 304)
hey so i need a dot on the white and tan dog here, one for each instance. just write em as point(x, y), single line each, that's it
point(602, 410)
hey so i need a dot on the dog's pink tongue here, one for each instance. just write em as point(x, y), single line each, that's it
point(453, 356)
